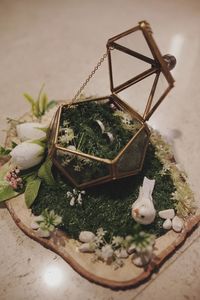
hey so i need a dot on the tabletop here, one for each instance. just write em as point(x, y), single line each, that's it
point(58, 43)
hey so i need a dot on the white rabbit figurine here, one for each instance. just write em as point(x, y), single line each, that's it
point(143, 210)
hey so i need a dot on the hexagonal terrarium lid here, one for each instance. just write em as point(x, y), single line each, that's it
point(149, 62)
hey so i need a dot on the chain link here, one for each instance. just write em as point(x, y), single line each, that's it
point(89, 77)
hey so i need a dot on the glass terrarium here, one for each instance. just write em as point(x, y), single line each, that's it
point(94, 141)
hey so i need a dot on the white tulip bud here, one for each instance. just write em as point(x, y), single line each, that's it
point(30, 131)
point(27, 154)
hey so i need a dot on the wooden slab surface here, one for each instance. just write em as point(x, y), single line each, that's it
point(127, 276)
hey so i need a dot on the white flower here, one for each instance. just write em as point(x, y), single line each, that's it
point(72, 201)
point(117, 240)
point(67, 137)
point(30, 131)
point(69, 194)
point(101, 232)
point(27, 154)
point(45, 224)
point(75, 197)
point(126, 118)
point(106, 252)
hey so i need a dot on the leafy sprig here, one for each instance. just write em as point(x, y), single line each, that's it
point(41, 104)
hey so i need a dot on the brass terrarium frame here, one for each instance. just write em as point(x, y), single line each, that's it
point(159, 64)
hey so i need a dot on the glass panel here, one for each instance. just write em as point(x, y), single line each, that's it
point(126, 67)
point(137, 95)
point(136, 42)
point(132, 158)
point(161, 86)
point(96, 128)
point(52, 129)
point(82, 169)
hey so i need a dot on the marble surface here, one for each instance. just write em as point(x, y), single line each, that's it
point(59, 42)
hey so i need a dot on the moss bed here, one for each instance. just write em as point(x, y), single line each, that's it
point(88, 137)
point(109, 205)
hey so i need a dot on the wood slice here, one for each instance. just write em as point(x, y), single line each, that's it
point(127, 276)
point(98, 272)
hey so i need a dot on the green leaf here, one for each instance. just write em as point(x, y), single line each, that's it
point(51, 104)
point(36, 110)
point(31, 191)
point(45, 172)
point(4, 151)
point(6, 191)
point(4, 170)
point(43, 103)
point(14, 145)
point(29, 99)
point(29, 176)
point(44, 129)
point(34, 105)
point(40, 92)
point(40, 142)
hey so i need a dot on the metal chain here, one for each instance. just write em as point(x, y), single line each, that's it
point(89, 77)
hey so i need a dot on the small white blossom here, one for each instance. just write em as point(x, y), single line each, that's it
point(101, 232)
point(69, 194)
point(72, 201)
point(77, 168)
point(117, 240)
point(126, 118)
point(79, 199)
point(107, 252)
point(75, 197)
point(67, 137)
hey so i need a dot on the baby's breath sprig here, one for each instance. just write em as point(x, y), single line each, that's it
point(75, 197)
point(183, 196)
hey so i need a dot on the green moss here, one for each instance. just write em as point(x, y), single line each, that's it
point(108, 205)
point(81, 118)
point(79, 128)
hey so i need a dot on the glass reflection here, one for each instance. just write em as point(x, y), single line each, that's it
point(176, 45)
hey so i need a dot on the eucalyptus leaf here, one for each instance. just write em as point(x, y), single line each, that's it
point(31, 191)
point(45, 172)
point(6, 191)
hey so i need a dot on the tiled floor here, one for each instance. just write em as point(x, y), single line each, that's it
point(59, 42)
